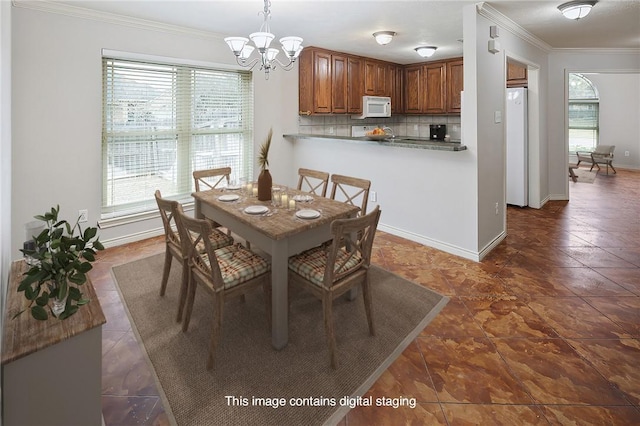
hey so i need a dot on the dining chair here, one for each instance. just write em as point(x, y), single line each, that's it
point(211, 178)
point(173, 246)
point(224, 272)
point(330, 271)
point(313, 181)
point(350, 189)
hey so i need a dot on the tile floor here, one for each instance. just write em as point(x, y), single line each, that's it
point(545, 330)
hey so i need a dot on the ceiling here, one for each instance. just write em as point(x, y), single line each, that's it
point(347, 26)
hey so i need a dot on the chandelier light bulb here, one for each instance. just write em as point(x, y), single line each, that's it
point(267, 56)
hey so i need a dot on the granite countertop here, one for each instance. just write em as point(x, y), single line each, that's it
point(398, 141)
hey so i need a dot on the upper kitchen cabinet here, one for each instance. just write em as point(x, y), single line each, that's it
point(433, 87)
point(435, 75)
point(375, 78)
point(455, 85)
point(329, 82)
point(355, 84)
point(315, 82)
point(395, 76)
point(414, 90)
point(516, 75)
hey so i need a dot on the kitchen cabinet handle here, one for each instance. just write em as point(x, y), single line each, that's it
point(304, 112)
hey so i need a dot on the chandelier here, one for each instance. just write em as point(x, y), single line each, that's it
point(267, 56)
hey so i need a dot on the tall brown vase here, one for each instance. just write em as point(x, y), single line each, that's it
point(264, 185)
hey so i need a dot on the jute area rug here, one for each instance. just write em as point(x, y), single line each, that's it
point(247, 366)
point(585, 176)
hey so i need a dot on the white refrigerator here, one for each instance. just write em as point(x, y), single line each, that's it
point(517, 148)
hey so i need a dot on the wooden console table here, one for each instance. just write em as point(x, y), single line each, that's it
point(51, 370)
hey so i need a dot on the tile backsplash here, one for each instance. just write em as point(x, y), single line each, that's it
point(402, 125)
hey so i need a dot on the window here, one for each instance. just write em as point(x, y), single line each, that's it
point(583, 114)
point(161, 122)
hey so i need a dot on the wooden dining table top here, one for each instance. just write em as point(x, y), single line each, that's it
point(279, 222)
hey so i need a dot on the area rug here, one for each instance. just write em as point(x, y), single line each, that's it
point(253, 384)
point(585, 176)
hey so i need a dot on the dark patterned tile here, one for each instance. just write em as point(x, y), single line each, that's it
point(454, 320)
point(493, 414)
point(554, 373)
point(470, 371)
point(616, 360)
point(573, 317)
point(591, 416)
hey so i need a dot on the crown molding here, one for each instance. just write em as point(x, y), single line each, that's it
point(504, 22)
point(111, 18)
point(599, 50)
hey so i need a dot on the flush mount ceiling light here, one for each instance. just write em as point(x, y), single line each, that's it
point(576, 9)
point(426, 51)
point(384, 37)
point(291, 46)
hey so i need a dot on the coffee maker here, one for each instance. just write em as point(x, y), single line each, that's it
point(437, 131)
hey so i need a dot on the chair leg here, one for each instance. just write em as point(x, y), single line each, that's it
point(578, 163)
point(218, 301)
point(168, 257)
point(184, 287)
point(192, 295)
point(327, 304)
point(614, 170)
point(368, 308)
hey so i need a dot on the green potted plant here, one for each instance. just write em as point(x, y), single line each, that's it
point(60, 261)
point(264, 179)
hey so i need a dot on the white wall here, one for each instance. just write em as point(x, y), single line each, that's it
point(57, 110)
point(619, 115)
point(5, 158)
point(560, 64)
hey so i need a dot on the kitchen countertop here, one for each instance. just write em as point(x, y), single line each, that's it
point(398, 141)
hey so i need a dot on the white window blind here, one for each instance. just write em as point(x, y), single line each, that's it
point(161, 122)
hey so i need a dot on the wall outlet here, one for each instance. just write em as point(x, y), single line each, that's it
point(83, 215)
point(626, 153)
point(373, 196)
point(331, 130)
point(497, 209)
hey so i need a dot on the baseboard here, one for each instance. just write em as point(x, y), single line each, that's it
point(497, 240)
point(131, 238)
point(451, 249)
point(558, 197)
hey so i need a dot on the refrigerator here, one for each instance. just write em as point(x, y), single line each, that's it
point(517, 172)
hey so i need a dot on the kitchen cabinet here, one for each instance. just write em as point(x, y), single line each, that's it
point(334, 83)
point(338, 84)
point(516, 75)
point(395, 78)
point(329, 82)
point(355, 84)
point(455, 85)
point(375, 78)
point(414, 89)
point(435, 88)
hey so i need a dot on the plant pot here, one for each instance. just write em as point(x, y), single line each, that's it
point(57, 305)
point(264, 185)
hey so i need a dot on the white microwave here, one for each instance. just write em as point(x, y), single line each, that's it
point(375, 106)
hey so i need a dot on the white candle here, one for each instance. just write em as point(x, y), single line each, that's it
point(292, 204)
point(255, 190)
point(284, 200)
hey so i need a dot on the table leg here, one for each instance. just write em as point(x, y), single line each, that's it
point(279, 294)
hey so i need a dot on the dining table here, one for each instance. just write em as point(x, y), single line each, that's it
point(279, 230)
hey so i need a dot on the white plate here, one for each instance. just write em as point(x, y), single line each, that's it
point(303, 198)
point(233, 187)
point(308, 214)
point(256, 209)
point(228, 197)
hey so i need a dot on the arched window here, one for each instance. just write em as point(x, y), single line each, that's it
point(583, 114)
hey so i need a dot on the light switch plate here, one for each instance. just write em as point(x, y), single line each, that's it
point(497, 117)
